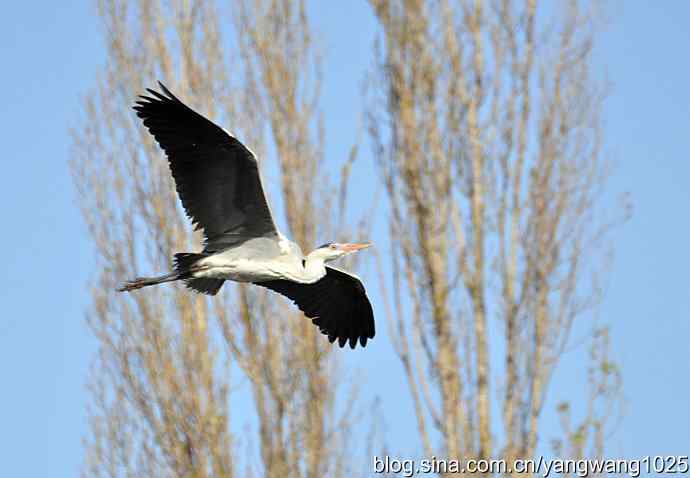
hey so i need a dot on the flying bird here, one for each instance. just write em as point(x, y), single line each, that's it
point(217, 179)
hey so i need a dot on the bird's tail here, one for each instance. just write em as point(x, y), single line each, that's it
point(184, 266)
point(184, 263)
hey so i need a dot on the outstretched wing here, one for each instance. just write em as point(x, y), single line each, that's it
point(337, 304)
point(216, 176)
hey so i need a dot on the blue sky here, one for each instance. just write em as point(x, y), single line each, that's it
point(50, 58)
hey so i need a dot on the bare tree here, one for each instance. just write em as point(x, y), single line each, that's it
point(488, 137)
point(294, 377)
point(161, 383)
point(486, 127)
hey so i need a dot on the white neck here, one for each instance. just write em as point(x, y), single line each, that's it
point(314, 269)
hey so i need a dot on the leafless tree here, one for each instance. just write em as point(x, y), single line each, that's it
point(487, 132)
point(161, 383)
point(486, 122)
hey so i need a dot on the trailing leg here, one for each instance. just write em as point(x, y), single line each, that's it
point(140, 282)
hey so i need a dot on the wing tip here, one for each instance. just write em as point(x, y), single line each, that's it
point(167, 91)
point(156, 97)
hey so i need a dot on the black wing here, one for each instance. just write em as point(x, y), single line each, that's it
point(216, 176)
point(337, 303)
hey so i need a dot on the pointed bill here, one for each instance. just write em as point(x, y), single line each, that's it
point(354, 246)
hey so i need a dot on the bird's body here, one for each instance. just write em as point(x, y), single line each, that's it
point(261, 259)
point(218, 181)
point(255, 260)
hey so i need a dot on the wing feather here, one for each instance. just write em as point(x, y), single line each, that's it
point(337, 304)
point(216, 176)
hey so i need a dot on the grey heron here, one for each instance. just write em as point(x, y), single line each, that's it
point(217, 179)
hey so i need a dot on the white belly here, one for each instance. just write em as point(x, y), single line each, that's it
point(241, 270)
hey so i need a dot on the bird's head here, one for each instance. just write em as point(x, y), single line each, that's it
point(334, 250)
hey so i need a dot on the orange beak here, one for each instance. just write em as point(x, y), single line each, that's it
point(355, 246)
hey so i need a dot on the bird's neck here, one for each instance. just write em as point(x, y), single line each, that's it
point(313, 270)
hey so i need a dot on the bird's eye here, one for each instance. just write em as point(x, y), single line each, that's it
point(333, 246)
